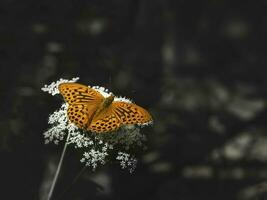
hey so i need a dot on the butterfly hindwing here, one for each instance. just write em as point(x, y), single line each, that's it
point(78, 114)
point(104, 125)
point(105, 122)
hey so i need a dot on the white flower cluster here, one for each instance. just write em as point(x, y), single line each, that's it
point(128, 136)
point(126, 161)
point(94, 157)
point(98, 148)
point(102, 91)
point(53, 87)
point(58, 120)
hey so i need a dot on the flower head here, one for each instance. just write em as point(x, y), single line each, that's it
point(98, 147)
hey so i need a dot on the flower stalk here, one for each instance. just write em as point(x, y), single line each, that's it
point(58, 169)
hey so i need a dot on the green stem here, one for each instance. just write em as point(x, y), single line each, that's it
point(58, 169)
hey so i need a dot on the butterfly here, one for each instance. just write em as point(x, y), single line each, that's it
point(88, 109)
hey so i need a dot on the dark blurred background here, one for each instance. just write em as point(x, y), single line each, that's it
point(197, 66)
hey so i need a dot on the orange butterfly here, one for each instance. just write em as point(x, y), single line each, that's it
point(90, 110)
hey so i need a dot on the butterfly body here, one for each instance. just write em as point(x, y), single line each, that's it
point(105, 104)
point(89, 109)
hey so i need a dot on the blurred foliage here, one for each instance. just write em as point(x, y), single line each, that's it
point(198, 66)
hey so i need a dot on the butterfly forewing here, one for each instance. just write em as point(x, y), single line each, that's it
point(83, 102)
point(74, 93)
point(130, 113)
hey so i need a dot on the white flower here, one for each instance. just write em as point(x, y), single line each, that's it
point(52, 88)
point(126, 161)
point(59, 122)
point(123, 99)
point(102, 91)
point(95, 157)
point(98, 148)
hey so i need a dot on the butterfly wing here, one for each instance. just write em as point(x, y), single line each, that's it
point(75, 93)
point(83, 102)
point(130, 113)
point(105, 121)
point(117, 114)
point(79, 114)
